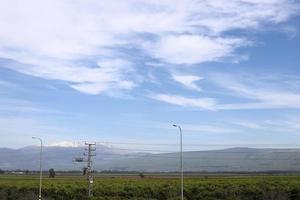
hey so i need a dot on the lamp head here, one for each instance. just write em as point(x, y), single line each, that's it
point(174, 125)
point(37, 138)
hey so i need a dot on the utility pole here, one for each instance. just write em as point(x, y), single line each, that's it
point(89, 153)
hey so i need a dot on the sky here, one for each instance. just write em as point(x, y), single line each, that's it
point(124, 71)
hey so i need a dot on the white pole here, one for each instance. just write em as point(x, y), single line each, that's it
point(41, 171)
point(181, 160)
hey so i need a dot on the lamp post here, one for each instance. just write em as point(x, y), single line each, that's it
point(41, 172)
point(181, 161)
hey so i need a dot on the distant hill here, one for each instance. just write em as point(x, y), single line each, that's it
point(57, 157)
point(227, 160)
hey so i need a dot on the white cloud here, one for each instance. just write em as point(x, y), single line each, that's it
point(290, 31)
point(246, 92)
point(258, 94)
point(285, 125)
point(246, 124)
point(188, 81)
point(209, 128)
point(99, 87)
point(200, 103)
point(244, 14)
point(65, 144)
point(192, 49)
point(63, 40)
point(282, 124)
point(107, 75)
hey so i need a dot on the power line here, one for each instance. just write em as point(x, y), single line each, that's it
point(196, 145)
point(194, 157)
point(206, 151)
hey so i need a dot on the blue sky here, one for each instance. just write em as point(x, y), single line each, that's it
point(125, 71)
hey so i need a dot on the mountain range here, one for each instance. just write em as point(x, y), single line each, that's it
point(111, 159)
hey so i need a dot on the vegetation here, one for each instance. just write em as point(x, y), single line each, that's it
point(153, 188)
point(51, 173)
point(141, 175)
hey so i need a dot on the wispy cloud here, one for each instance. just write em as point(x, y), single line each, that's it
point(209, 128)
point(276, 124)
point(247, 124)
point(189, 81)
point(192, 49)
point(290, 124)
point(12, 128)
point(290, 31)
point(109, 76)
point(258, 93)
point(200, 103)
point(245, 91)
point(12, 104)
point(75, 42)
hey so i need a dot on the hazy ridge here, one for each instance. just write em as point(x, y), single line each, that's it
point(234, 159)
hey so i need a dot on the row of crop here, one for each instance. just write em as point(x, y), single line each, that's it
point(120, 189)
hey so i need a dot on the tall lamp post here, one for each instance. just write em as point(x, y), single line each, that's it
point(41, 172)
point(181, 161)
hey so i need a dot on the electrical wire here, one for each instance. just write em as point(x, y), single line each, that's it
point(192, 145)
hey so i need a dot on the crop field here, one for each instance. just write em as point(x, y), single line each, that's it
point(14, 187)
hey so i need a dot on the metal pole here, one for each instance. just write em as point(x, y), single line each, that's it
point(89, 175)
point(181, 160)
point(89, 155)
point(41, 171)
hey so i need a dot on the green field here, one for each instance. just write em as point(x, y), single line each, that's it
point(121, 187)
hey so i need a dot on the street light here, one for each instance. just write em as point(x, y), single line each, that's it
point(41, 172)
point(181, 162)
